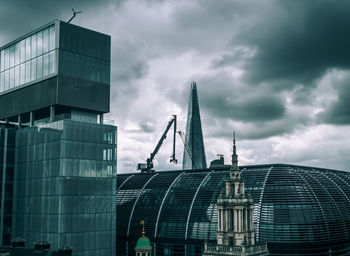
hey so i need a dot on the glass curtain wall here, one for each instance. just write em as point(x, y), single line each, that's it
point(28, 60)
point(7, 157)
point(84, 54)
point(65, 186)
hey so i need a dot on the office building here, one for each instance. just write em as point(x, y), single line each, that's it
point(54, 88)
point(58, 68)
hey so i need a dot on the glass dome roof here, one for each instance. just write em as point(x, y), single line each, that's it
point(297, 209)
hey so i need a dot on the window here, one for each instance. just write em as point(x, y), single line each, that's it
point(28, 60)
point(230, 240)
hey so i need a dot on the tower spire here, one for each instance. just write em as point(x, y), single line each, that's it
point(194, 154)
point(234, 154)
point(235, 229)
point(142, 222)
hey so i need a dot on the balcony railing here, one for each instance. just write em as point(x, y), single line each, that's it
point(235, 250)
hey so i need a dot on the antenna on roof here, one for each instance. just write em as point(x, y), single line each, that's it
point(74, 14)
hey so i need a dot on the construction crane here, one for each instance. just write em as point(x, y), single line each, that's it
point(188, 150)
point(148, 166)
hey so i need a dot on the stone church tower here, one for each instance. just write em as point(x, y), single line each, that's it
point(235, 235)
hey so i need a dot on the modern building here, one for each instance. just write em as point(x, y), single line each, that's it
point(235, 234)
point(7, 163)
point(298, 210)
point(54, 90)
point(194, 154)
point(43, 72)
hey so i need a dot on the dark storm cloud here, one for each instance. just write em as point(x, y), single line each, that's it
point(254, 130)
point(158, 47)
point(339, 111)
point(295, 41)
point(248, 109)
point(223, 98)
point(21, 16)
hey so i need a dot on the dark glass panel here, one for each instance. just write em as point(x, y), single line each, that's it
point(84, 67)
point(173, 218)
point(149, 203)
point(126, 198)
point(84, 42)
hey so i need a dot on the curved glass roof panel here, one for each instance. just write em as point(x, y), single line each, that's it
point(149, 202)
point(126, 198)
point(202, 223)
point(173, 218)
point(293, 205)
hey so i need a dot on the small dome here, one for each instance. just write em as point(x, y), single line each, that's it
point(143, 244)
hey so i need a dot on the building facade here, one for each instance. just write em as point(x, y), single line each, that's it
point(65, 176)
point(235, 235)
point(54, 89)
point(47, 69)
point(7, 163)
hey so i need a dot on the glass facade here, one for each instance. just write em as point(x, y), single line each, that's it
point(297, 209)
point(84, 55)
point(7, 158)
point(84, 67)
point(30, 59)
point(65, 186)
point(194, 154)
point(59, 64)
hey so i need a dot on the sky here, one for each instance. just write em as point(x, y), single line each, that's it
point(276, 72)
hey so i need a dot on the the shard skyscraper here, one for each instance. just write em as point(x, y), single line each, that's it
point(194, 155)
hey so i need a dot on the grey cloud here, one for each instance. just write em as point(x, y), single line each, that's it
point(302, 95)
point(144, 127)
point(338, 112)
point(255, 131)
point(22, 16)
point(222, 97)
point(128, 66)
point(129, 164)
point(238, 55)
point(296, 41)
point(135, 71)
point(147, 127)
point(255, 112)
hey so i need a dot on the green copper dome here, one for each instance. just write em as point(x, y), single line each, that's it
point(143, 244)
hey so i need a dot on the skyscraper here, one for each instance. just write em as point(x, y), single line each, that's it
point(54, 84)
point(194, 155)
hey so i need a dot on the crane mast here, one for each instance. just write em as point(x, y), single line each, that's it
point(148, 166)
